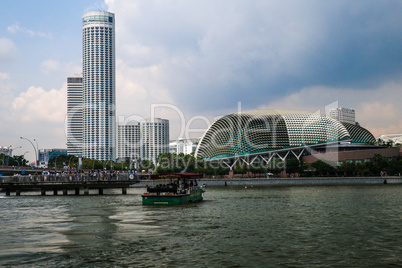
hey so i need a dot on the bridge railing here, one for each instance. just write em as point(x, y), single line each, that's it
point(79, 177)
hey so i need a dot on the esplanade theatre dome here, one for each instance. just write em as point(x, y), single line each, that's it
point(262, 131)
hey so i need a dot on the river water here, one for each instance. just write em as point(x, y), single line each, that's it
point(317, 226)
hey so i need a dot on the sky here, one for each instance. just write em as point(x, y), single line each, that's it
point(194, 61)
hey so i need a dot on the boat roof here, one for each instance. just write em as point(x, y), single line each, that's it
point(177, 175)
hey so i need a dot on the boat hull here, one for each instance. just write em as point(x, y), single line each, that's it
point(192, 197)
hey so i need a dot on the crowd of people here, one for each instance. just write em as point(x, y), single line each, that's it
point(74, 175)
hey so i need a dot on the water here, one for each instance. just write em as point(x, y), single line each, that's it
point(323, 226)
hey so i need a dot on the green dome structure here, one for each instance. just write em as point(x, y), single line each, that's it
point(263, 131)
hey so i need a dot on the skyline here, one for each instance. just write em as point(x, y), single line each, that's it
point(204, 57)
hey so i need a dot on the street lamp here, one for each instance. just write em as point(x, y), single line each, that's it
point(14, 150)
point(36, 154)
point(55, 159)
point(69, 161)
point(37, 149)
point(9, 153)
point(23, 157)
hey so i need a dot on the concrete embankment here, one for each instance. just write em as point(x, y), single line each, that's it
point(291, 181)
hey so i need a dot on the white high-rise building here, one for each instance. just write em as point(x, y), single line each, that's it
point(6, 150)
point(98, 59)
point(74, 115)
point(345, 115)
point(128, 140)
point(184, 146)
point(154, 138)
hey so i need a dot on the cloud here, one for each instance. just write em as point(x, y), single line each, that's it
point(4, 76)
point(34, 113)
point(6, 87)
point(378, 109)
point(212, 54)
point(135, 90)
point(15, 28)
point(50, 65)
point(36, 105)
point(8, 51)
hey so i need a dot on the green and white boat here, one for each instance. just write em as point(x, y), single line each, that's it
point(174, 189)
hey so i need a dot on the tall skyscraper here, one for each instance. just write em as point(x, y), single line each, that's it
point(344, 115)
point(74, 115)
point(154, 138)
point(128, 140)
point(98, 59)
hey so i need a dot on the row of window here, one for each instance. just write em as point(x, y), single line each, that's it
point(349, 161)
point(97, 18)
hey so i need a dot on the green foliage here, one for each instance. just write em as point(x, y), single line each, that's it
point(361, 169)
point(241, 168)
point(292, 165)
point(181, 163)
point(377, 165)
point(323, 169)
point(395, 167)
point(16, 160)
point(347, 169)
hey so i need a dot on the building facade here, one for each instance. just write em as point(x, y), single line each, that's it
point(262, 132)
point(183, 146)
point(128, 140)
point(351, 153)
point(154, 138)
point(99, 123)
point(46, 154)
point(344, 115)
point(6, 150)
point(74, 115)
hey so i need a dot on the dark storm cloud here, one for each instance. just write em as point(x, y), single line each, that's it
point(212, 54)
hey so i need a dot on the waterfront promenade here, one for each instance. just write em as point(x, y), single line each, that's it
point(293, 181)
point(76, 185)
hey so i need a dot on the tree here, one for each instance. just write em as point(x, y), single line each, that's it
point(323, 169)
point(306, 170)
point(292, 166)
point(395, 167)
point(347, 168)
point(361, 168)
point(380, 163)
point(276, 166)
point(16, 160)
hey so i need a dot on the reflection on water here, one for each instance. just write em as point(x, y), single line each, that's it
point(234, 226)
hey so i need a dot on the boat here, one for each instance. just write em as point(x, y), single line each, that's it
point(174, 189)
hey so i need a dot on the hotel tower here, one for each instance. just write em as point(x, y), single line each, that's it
point(98, 75)
point(74, 115)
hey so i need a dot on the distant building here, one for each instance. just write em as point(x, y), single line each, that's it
point(6, 150)
point(128, 140)
point(154, 138)
point(350, 153)
point(185, 146)
point(393, 139)
point(344, 115)
point(74, 115)
point(46, 154)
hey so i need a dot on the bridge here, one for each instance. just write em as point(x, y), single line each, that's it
point(65, 183)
